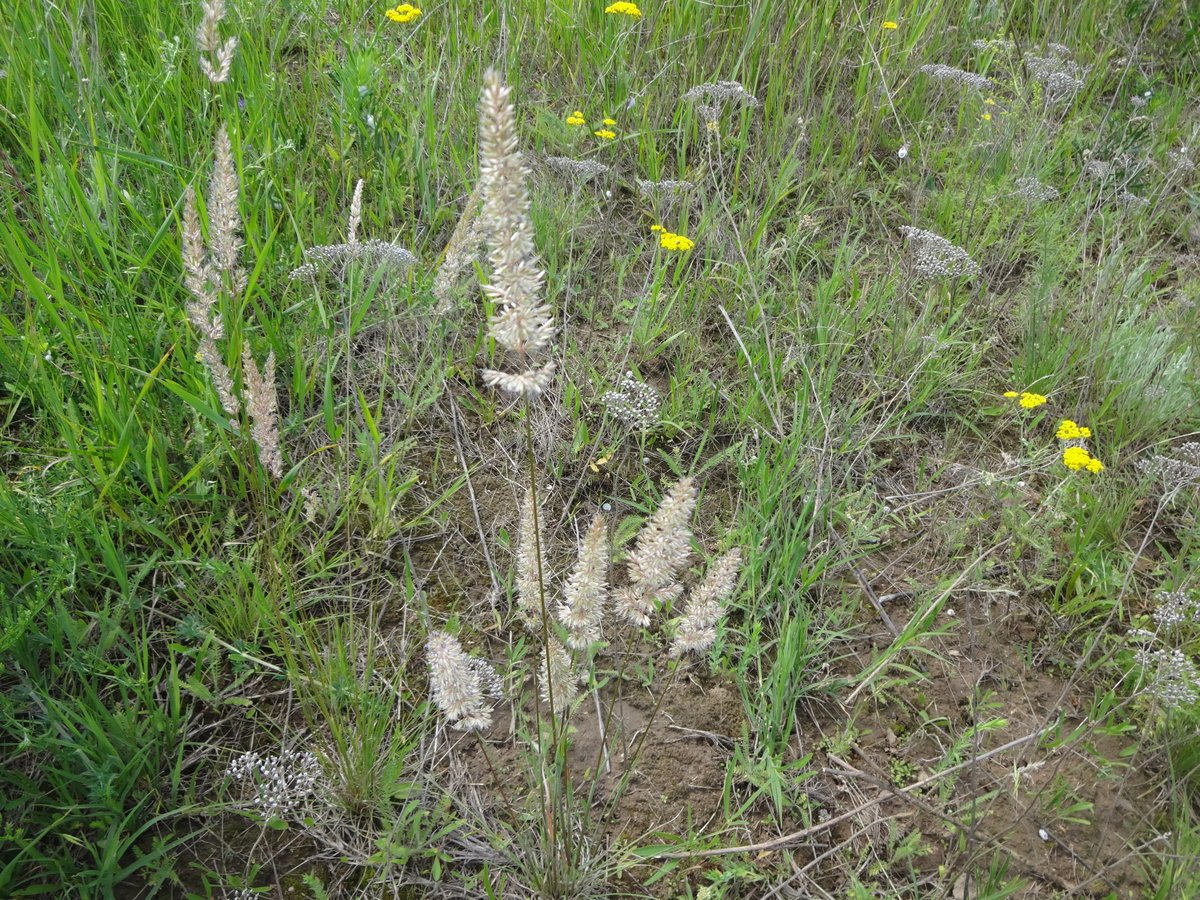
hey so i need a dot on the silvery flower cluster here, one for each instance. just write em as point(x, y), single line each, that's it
point(998, 44)
point(633, 403)
point(1175, 681)
point(1061, 76)
point(1177, 472)
point(668, 187)
point(1181, 161)
point(718, 93)
point(939, 72)
point(932, 256)
point(281, 781)
point(576, 169)
point(1129, 200)
point(1031, 190)
point(374, 253)
point(1175, 608)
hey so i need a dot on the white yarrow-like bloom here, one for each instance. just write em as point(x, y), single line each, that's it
point(697, 629)
point(659, 555)
point(582, 608)
point(459, 683)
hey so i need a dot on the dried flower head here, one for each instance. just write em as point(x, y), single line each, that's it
point(1173, 677)
point(633, 403)
point(1060, 76)
point(1178, 472)
point(997, 45)
point(582, 607)
point(666, 188)
point(460, 685)
point(697, 629)
point(719, 93)
point(280, 782)
point(939, 72)
point(659, 555)
point(932, 256)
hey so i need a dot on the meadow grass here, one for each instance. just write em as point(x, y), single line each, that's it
point(936, 680)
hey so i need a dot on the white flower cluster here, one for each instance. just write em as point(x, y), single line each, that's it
point(1175, 680)
point(633, 403)
point(932, 256)
point(1061, 76)
point(668, 187)
point(1176, 472)
point(1031, 190)
point(375, 254)
point(1130, 200)
point(281, 781)
point(939, 72)
point(1175, 608)
point(579, 170)
point(1001, 45)
point(718, 93)
point(1181, 161)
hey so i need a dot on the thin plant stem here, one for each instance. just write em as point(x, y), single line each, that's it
point(512, 811)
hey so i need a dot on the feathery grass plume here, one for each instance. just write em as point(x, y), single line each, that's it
point(461, 250)
point(263, 406)
point(215, 56)
point(521, 322)
point(529, 573)
point(582, 608)
point(577, 170)
point(697, 629)
point(560, 680)
point(460, 684)
point(939, 72)
point(1031, 190)
point(337, 257)
point(932, 256)
point(660, 553)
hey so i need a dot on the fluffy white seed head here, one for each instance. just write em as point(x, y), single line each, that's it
point(560, 679)
point(530, 538)
point(697, 629)
point(661, 552)
point(458, 683)
point(582, 609)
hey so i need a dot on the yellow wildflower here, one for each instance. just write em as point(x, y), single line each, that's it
point(989, 102)
point(605, 134)
point(1011, 395)
point(1031, 401)
point(576, 118)
point(657, 228)
point(403, 13)
point(713, 125)
point(670, 241)
point(610, 121)
point(1076, 458)
point(890, 25)
point(987, 117)
point(624, 9)
point(1094, 465)
point(1069, 431)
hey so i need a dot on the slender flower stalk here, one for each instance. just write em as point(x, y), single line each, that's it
point(582, 607)
point(263, 406)
point(530, 540)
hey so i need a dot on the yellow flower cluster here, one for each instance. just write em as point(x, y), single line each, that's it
point(576, 118)
point(608, 121)
point(987, 117)
point(1076, 458)
point(1028, 399)
point(890, 25)
point(605, 134)
point(403, 13)
point(624, 9)
point(670, 241)
point(1070, 431)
